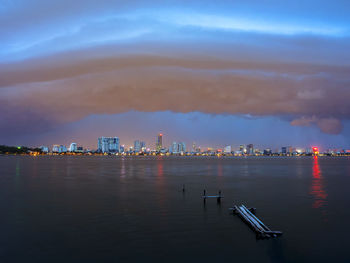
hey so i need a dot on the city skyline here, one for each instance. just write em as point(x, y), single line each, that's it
point(115, 145)
point(217, 138)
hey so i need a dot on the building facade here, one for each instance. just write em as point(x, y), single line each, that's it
point(228, 149)
point(108, 144)
point(242, 149)
point(73, 147)
point(182, 147)
point(59, 148)
point(44, 149)
point(137, 146)
point(159, 143)
point(250, 149)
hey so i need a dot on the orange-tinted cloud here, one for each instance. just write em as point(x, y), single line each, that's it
point(70, 88)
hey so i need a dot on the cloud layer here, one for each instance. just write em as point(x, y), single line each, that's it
point(110, 59)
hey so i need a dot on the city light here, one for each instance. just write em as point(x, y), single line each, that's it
point(112, 146)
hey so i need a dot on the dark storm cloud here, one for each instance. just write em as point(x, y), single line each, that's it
point(72, 90)
point(62, 61)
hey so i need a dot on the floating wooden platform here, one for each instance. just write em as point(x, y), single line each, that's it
point(212, 196)
point(218, 197)
point(259, 227)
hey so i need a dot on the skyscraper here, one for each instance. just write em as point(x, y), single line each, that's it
point(174, 147)
point(227, 149)
point(178, 147)
point(62, 149)
point(122, 148)
point(182, 147)
point(108, 144)
point(287, 150)
point(143, 146)
point(59, 149)
point(284, 150)
point(250, 149)
point(137, 146)
point(73, 147)
point(159, 143)
point(55, 148)
point(242, 149)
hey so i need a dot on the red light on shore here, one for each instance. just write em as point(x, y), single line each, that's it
point(315, 150)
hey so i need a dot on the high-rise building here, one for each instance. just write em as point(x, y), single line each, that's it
point(178, 147)
point(108, 144)
point(182, 147)
point(55, 148)
point(159, 143)
point(80, 149)
point(227, 149)
point(250, 149)
point(44, 149)
point(137, 146)
point(193, 147)
point(267, 151)
point(122, 148)
point(287, 150)
point(73, 147)
point(174, 148)
point(62, 149)
point(242, 149)
point(143, 146)
point(59, 148)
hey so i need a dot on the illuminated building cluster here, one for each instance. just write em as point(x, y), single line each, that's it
point(112, 146)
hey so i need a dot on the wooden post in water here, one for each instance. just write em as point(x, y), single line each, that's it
point(183, 188)
point(219, 197)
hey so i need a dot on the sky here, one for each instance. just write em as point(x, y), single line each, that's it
point(272, 73)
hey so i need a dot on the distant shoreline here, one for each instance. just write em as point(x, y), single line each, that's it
point(173, 155)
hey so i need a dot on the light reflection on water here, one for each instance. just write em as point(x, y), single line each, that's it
point(317, 186)
point(122, 168)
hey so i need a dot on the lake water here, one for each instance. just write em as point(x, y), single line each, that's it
point(132, 209)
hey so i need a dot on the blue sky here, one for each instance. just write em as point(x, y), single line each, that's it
point(285, 65)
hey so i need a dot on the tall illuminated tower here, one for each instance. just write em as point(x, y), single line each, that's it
point(159, 143)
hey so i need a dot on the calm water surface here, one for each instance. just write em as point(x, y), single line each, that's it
point(113, 209)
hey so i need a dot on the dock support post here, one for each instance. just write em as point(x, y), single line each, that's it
point(219, 197)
